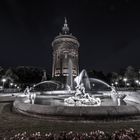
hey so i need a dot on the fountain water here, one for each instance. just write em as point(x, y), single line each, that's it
point(83, 78)
point(69, 82)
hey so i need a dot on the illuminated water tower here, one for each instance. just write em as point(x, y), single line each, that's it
point(65, 53)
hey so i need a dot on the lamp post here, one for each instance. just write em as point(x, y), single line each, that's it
point(128, 84)
point(116, 83)
point(3, 82)
point(11, 84)
point(125, 80)
point(137, 82)
point(139, 75)
point(112, 84)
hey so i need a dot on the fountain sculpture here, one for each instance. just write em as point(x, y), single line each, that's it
point(81, 98)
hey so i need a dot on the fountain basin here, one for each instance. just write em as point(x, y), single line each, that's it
point(75, 111)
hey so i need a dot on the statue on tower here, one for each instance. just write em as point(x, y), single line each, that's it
point(65, 28)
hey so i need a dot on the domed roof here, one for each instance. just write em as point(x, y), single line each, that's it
point(65, 32)
point(65, 36)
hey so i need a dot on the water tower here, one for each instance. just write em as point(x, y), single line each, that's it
point(65, 54)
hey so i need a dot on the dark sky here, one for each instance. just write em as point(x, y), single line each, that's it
point(108, 32)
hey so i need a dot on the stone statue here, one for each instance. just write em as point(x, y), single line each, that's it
point(68, 88)
point(30, 96)
point(81, 98)
point(27, 91)
point(80, 90)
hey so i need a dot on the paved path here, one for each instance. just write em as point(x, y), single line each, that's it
point(1, 107)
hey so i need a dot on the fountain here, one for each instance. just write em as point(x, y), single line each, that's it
point(85, 99)
point(80, 96)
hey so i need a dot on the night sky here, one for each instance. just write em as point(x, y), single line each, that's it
point(108, 32)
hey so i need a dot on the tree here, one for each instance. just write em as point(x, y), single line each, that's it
point(10, 76)
point(113, 77)
point(97, 74)
point(29, 75)
point(131, 75)
point(1, 71)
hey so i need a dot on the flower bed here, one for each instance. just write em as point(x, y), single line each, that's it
point(124, 134)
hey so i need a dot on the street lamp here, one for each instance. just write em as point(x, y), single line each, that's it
point(112, 84)
point(125, 79)
point(3, 82)
point(128, 84)
point(11, 84)
point(138, 74)
point(116, 83)
point(137, 81)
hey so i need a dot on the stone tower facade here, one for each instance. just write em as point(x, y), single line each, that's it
point(65, 53)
